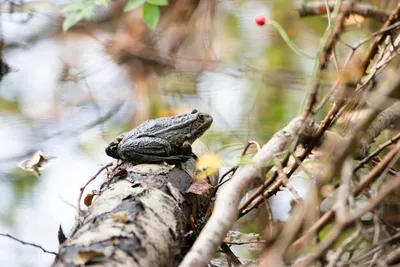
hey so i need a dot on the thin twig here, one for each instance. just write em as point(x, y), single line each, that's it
point(268, 188)
point(393, 140)
point(232, 172)
point(29, 244)
point(326, 46)
point(342, 224)
point(344, 189)
point(275, 254)
point(374, 248)
point(245, 242)
point(82, 189)
point(333, 260)
point(285, 180)
point(357, 190)
point(230, 255)
point(378, 40)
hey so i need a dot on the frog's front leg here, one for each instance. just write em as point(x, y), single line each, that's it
point(186, 148)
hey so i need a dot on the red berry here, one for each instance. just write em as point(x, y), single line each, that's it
point(322, 10)
point(260, 20)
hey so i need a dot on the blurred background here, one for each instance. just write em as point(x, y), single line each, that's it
point(68, 94)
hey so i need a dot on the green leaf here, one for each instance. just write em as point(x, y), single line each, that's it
point(87, 11)
point(72, 8)
point(158, 2)
point(71, 20)
point(101, 2)
point(132, 4)
point(151, 15)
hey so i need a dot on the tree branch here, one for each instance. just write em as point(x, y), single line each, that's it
point(226, 206)
point(360, 187)
point(29, 244)
point(312, 8)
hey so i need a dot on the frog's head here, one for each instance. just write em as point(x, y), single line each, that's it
point(112, 148)
point(200, 123)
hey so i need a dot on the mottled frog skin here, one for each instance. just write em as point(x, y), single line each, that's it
point(163, 139)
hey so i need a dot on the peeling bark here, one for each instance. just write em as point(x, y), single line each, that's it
point(138, 220)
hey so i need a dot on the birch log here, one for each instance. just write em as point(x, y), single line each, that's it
point(140, 219)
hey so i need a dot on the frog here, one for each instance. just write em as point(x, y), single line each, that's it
point(166, 139)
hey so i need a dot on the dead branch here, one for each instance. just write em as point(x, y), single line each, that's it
point(285, 180)
point(29, 244)
point(270, 186)
point(393, 257)
point(339, 252)
point(274, 255)
point(392, 141)
point(82, 189)
point(312, 8)
point(378, 40)
point(382, 122)
point(226, 206)
point(345, 222)
point(360, 187)
point(324, 54)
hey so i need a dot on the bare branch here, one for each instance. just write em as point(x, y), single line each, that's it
point(378, 40)
point(376, 152)
point(334, 258)
point(312, 8)
point(226, 206)
point(364, 183)
point(382, 122)
point(81, 190)
point(285, 181)
point(327, 46)
point(29, 244)
point(269, 188)
point(340, 225)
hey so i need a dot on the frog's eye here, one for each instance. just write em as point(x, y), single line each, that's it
point(200, 118)
point(194, 111)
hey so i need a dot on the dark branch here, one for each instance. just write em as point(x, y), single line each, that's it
point(29, 244)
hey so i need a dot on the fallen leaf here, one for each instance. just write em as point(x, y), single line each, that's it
point(207, 164)
point(35, 163)
point(88, 199)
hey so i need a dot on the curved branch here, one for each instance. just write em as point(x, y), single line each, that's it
point(226, 206)
point(382, 122)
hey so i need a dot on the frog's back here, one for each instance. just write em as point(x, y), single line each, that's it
point(157, 126)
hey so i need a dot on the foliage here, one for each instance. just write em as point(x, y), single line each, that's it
point(79, 11)
point(84, 11)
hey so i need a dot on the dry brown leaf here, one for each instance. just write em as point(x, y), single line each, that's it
point(35, 163)
point(88, 199)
